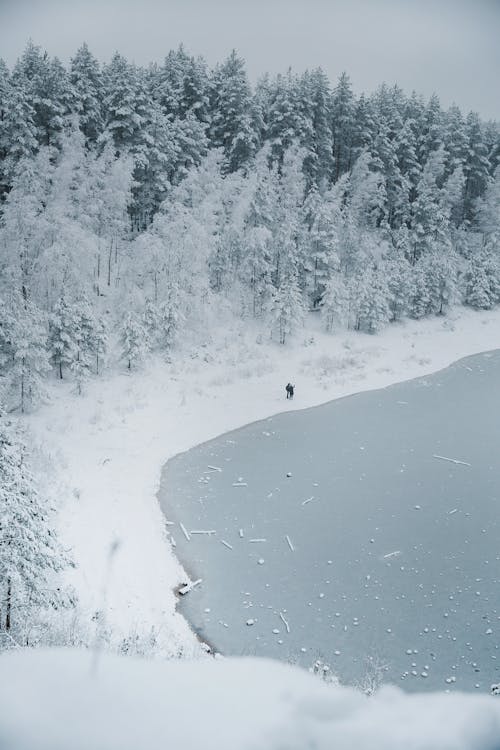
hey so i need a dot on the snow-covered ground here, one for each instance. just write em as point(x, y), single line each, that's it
point(107, 448)
point(63, 700)
point(102, 454)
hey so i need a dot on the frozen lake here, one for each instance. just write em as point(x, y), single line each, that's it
point(377, 555)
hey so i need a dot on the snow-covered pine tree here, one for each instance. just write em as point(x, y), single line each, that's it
point(63, 335)
point(134, 339)
point(23, 350)
point(31, 556)
point(476, 168)
point(397, 270)
point(342, 112)
point(232, 125)
point(482, 280)
point(287, 308)
point(419, 298)
point(442, 271)
point(87, 93)
point(17, 128)
point(334, 302)
point(372, 304)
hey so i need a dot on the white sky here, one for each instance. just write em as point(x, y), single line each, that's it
point(451, 47)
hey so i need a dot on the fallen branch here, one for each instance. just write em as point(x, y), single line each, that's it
point(289, 542)
point(189, 586)
point(287, 626)
point(226, 544)
point(184, 531)
point(452, 460)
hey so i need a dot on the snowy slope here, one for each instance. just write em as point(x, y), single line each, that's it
point(106, 449)
point(71, 703)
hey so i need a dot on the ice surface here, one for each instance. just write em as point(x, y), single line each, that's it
point(366, 577)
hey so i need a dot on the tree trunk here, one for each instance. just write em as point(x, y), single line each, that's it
point(22, 391)
point(110, 257)
point(9, 604)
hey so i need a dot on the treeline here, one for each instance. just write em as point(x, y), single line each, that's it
point(137, 202)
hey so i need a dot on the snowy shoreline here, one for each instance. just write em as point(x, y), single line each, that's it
point(107, 448)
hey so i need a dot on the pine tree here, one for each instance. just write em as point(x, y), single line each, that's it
point(398, 274)
point(23, 353)
point(48, 91)
point(17, 129)
point(476, 168)
point(322, 173)
point(372, 304)
point(343, 107)
point(335, 302)
point(442, 270)
point(287, 309)
point(87, 93)
point(419, 298)
point(488, 211)
point(288, 122)
point(482, 280)
point(232, 124)
point(134, 340)
point(63, 335)
point(31, 557)
point(430, 222)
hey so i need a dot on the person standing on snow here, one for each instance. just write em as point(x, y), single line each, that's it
point(289, 390)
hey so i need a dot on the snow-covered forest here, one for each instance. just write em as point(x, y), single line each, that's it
point(139, 204)
point(136, 201)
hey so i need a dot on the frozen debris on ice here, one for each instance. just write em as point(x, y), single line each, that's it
point(307, 500)
point(257, 540)
point(453, 460)
point(189, 586)
point(285, 623)
point(240, 484)
point(451, 512)
point(208, 532)
point(289, 542)
point(392, 554)
point(495, 689)
point(214, 468)
point(417, 507)
point(241, 533)
point(250, 622)
point(169, 523)
point(260, 561)
point(289, 474)
point(185, 531)
point(226, 544)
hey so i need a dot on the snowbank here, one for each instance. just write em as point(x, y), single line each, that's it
point(61, 700)
point(107, 448)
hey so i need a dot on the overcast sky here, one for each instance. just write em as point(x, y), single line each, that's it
point(451, 47)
